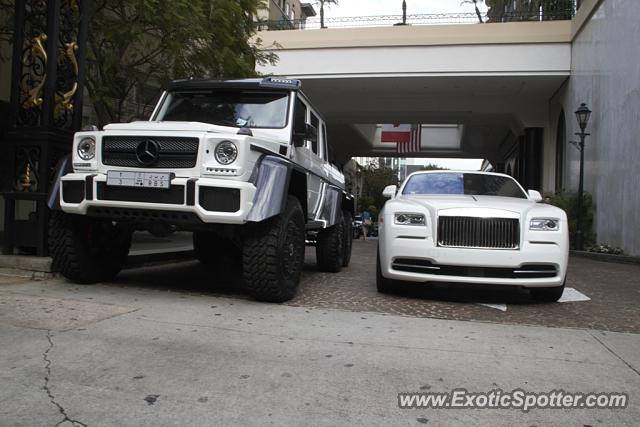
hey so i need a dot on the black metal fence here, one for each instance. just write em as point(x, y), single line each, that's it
point(416, 19)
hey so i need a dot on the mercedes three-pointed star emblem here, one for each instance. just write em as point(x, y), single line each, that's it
point(147, 152)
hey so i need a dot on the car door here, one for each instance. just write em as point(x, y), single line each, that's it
point(306, 157)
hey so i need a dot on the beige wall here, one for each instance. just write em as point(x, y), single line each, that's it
point(605, 76)
point(423, 35)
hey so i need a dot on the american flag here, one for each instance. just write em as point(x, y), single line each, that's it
point(413, 145)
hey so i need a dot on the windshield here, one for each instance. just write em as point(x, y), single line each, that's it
point(463, 183)
point(238, 108)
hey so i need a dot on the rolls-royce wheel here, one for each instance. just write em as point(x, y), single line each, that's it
point(273, 255)
point(552, 294)
point(348, 238)
point(330, 247)
point(383, 284)
point(87, 250)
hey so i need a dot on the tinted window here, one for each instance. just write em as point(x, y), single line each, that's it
point(299, 119)
point(238, 108)
point(315, 122)
point(463, 183)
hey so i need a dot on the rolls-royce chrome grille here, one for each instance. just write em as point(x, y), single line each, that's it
point(473, 232)
point(150, 152)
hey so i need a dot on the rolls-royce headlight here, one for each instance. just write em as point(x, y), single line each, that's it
point(86, 148)
point(544, 224)
point(226, 152)
point(409, 219)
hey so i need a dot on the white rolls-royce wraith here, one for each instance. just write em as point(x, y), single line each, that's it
point(471, 227)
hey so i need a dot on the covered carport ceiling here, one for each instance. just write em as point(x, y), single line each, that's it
point(491, 107)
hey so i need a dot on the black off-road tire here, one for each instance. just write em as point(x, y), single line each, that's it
point(330, 247)
point(210, 248)
point(383, 284)
point(347, 238)
point(273, 255)
point(551, 294)
point(87, 250)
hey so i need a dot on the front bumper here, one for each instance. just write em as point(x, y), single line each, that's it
point(479, 266)
point(210, 200)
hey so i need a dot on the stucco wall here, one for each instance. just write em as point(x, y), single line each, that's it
point(606, 76)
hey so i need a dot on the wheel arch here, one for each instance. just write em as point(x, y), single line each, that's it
point(275, 179)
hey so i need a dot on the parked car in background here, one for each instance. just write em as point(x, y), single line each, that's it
point(357, 226)
point(471, 227)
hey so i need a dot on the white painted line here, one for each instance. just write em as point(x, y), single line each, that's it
point(571, 295)
point(501, 307)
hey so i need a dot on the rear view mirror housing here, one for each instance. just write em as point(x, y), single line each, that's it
point(310, 134)
point(390, 191)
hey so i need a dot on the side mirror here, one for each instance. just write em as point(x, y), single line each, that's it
point(535, 196)
point(389, 191)
point(310, 134)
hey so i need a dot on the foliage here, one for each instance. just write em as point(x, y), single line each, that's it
point(321, 3)
point(137, 44)
point(374, 180)
point(568, 202)
point(432, 167)
point(603, 248)
point(523, 10)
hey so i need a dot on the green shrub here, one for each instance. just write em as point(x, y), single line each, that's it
point(603, 248)
point(567, 200)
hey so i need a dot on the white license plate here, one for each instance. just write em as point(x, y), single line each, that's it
point(139, 179)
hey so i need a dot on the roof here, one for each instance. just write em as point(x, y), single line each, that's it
point(264, 83)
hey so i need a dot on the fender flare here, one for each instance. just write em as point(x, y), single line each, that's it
point(63, 167)
point(271, 177)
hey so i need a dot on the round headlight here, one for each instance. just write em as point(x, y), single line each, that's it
point(226, 152)
point(87, 149)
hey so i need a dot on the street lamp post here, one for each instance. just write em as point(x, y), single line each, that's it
point(582, 115)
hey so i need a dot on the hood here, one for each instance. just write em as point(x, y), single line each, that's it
point(170, 127)
point(487, 206)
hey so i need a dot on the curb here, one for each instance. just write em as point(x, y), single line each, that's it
point(41, 268)
point(619, 259)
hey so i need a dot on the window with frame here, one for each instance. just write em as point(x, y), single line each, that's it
point(299, 120)
point(315, 122)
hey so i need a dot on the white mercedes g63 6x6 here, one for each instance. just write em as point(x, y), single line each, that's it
point(243, 164)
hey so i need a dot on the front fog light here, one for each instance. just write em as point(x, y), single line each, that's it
point(86, 149)
point(544, 224)
point(226, 152)
point(409, 219)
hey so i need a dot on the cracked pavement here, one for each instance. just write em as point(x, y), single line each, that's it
point(170, 345)
point(46, 387)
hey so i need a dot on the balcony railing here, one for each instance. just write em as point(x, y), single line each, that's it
point(421, 19)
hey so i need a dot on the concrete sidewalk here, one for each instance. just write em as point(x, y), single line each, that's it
point(111, 354)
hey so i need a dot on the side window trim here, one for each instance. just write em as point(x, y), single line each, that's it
point(325, 148)
point(299, 102)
